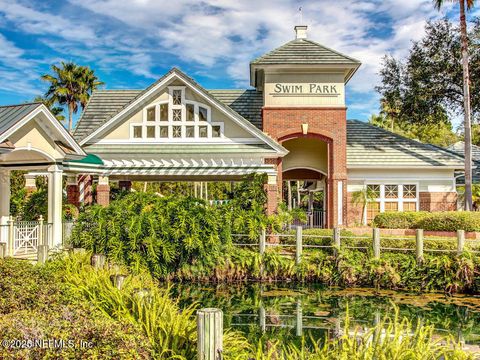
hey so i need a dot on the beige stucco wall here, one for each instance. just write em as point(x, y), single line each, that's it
point(435, 180)
point(122, 130)
point(32, 135)
point(304, 89)
point(306, 154)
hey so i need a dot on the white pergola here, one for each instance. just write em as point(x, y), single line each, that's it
point(32, 139)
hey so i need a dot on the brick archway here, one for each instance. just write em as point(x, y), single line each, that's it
point(327, 124)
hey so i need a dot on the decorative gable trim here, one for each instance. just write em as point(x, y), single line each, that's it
point(198, 90)
point(66, 137)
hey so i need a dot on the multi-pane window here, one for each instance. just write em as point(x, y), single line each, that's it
point(163, 131)
point(177, 115)
point(190, 131)
point(177, 97)
point(202, 114)
point(137, 132)
point(391, 206)
point(163, 112)
point(409, 206)
point(203, 131)
point(151, 114)
point(190, 112)
point(374, 190)
point(151, 132)
point(373, 209)
point(391, 191)
point(409, 191)
point(177, 131)
point(177, 118)
point(391, 197)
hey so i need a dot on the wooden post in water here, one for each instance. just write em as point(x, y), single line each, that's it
point(299, 245)
point(42, 254)
point(299, 314)
point(210, 334)
point(376, 243)
point(460, 241)
point(419, 245)
point(263, 318)
point(336, 241)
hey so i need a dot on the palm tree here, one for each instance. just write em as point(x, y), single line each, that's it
point(70, 85)
point(363, 198)
point(55, 110)
point(468, 4)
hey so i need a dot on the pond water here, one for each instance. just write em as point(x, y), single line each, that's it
point(288, 310)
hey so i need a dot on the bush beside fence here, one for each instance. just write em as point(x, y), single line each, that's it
point(428, 221)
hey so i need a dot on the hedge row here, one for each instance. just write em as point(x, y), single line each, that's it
point(436, 221)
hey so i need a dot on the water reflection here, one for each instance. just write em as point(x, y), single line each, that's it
point(288, 311)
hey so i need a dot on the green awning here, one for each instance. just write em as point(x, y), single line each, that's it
point(90, 159)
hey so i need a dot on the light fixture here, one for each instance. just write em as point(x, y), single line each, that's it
point(305, 129)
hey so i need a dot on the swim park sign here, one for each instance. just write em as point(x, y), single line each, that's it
point(307, 89)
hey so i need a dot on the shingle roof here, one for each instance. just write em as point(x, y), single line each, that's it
point(303, 51)
point(103, 104)
point(247, 103)
point(459, 148)
point(12, 114)
point(371, 146)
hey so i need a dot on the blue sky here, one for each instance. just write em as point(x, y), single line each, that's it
point(132, 43)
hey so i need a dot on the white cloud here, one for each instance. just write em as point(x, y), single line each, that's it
point(142, 35)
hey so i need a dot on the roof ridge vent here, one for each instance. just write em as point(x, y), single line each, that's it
point(301, 32)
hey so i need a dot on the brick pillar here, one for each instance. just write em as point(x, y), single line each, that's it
point(103, 191)
point(73, 193)
point(125, 185)
point(272, 194)
point(85, 189)
point(30, 184)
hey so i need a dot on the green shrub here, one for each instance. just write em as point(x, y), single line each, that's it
point(35, 303)
point(434, 221)
point(399, 220)
point(451, 221)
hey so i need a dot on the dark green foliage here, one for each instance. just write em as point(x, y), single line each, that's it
point(436, 221)
point(428, 84)
point(449, 273)
point(145, 230)
point(35, 303)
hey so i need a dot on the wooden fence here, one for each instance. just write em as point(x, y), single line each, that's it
point(372, 244)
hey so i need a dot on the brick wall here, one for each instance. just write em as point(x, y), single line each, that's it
point(73, 194)
point(354, 212)
point(103, 194)
point(325, 124)
point(438, 201)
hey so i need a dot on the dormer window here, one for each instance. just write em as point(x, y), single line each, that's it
point(176, 119)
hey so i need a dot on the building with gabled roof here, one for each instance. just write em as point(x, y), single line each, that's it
point(291, 125)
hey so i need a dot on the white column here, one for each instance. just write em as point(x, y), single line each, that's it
point(4, 203)
point(55, 192)
point(340, 203)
